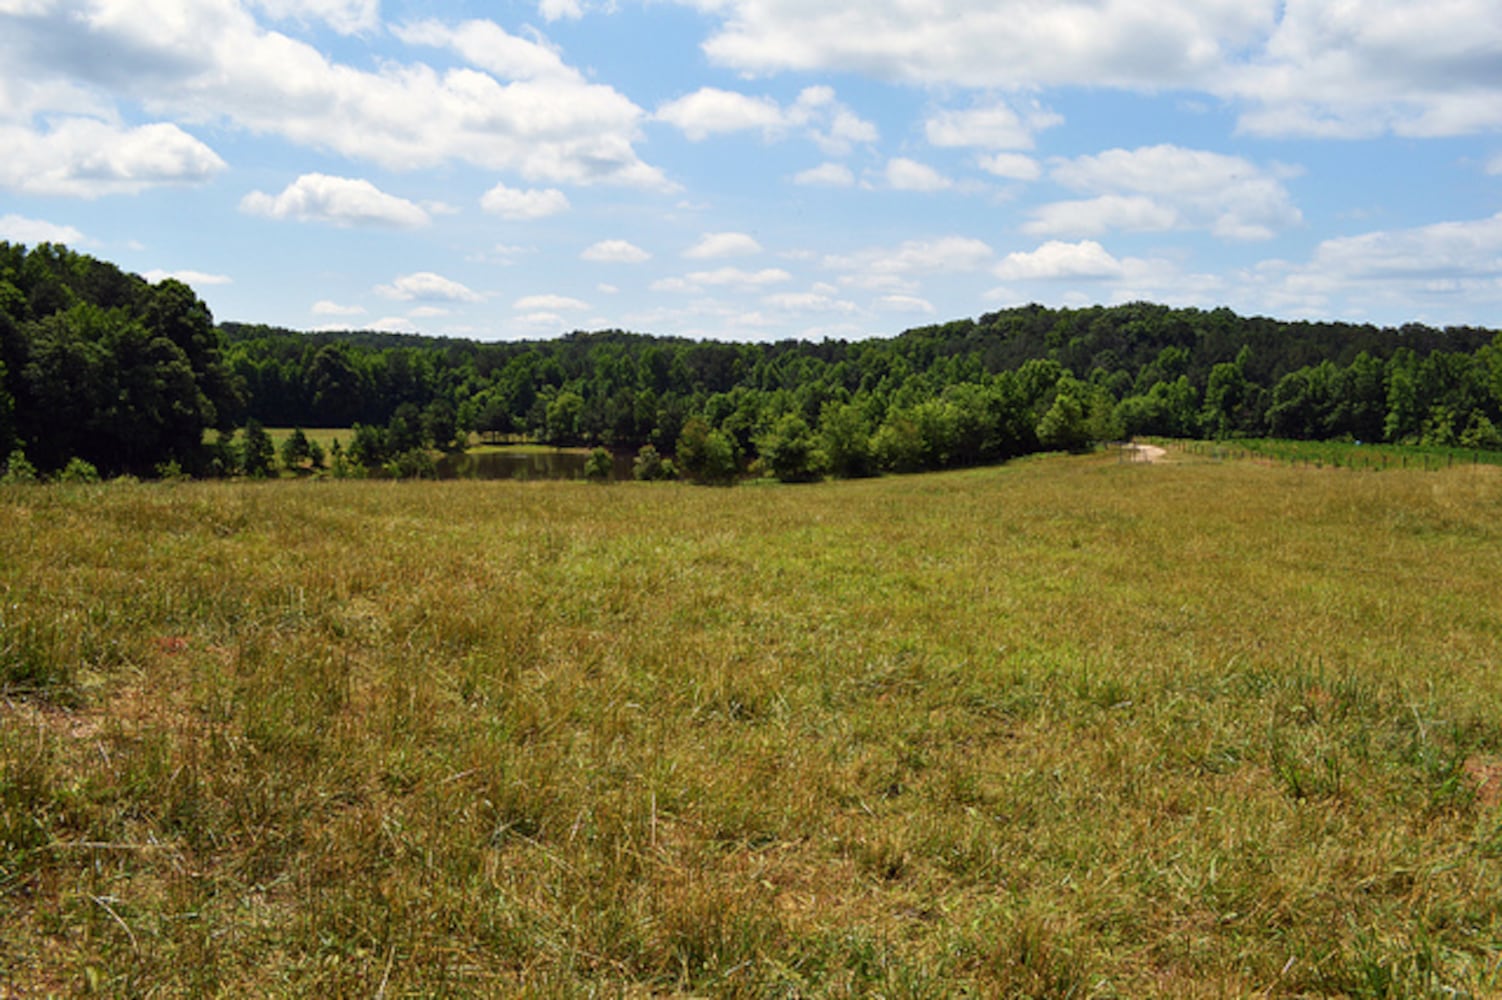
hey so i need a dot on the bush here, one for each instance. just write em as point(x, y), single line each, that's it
point(78, 471)
point(414, 463)
point(706, 455)
point(171, 472)
point(791, 452)
point(18, 469)
point(599, 467)
point(650, 466)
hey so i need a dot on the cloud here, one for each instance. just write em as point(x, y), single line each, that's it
point(1013, 166)
point(711, 111)
point(1000, 43)
point(991, 126)
point(324, 307)
point(1441, 256)
point(826, 175)
point(347, 17)
point(733, 277)
point(515, 107)
point(192, 278)
point(425, 286)
point(18, 229)
point(948, 254)
point(1056, 260)
point(393, 324)
point(87, 158)
point(903, 174)
point(816, 113)
point(1366, 67)
point(615, 252)
point(555, 303)
point(1094, 216)
point(1168, 187)
point(1310, 67)
point(906, 304)
point(554, 10)
point(820, 301)
point(723, 245)
point(511, 203)
point(341, 201)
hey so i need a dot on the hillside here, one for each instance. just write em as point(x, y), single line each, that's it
point(101, 365)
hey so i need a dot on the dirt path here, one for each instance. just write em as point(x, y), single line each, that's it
point(1145, 453)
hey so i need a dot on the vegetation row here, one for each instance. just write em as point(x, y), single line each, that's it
point(101, 366)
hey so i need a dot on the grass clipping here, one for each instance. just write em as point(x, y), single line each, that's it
point(1067, 727)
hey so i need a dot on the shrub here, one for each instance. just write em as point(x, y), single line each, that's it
point(650, 466)
point(414, 463)
point(18, 469)
point(78, 471)
point(599, 466)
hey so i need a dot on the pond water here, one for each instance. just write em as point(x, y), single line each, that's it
point(559, 464)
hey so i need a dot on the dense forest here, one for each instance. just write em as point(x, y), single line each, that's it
point(102, 366)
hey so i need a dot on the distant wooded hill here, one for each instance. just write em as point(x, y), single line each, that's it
point(100, 364)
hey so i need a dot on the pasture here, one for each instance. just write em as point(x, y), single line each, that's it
point(1070, 726)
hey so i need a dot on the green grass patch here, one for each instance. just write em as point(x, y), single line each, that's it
point(1069, 727)
point(1342, 454)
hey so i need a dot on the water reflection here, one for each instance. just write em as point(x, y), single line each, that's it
point(529, 464)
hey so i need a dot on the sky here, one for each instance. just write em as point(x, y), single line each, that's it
point(754, 170)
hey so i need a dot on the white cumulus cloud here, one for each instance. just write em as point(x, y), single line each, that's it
point(327, 307)
point(816, 113)
point(615, 252)
point(425, 286)
point(341, 201)
point(826, 175)
point(187, 277)
point(1168, 187)
point(517, 204)
point(1056, 259)
point(551, 303)
point(723, 245)
point(512, 105)
point(88, 158)
point(1012, 166)
point(903, 174)
point(19, 229)
point(347, 17)
point(988, 126)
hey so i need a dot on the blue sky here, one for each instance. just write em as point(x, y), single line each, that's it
point(761, 169)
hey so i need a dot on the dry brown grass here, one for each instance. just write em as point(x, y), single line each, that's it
point(1069, 727)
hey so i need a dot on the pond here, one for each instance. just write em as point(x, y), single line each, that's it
point(526, 464)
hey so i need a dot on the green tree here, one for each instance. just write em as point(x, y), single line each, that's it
point(845, 435)
point(440, 426)
point(564, 417)
point(649, 465)
point(706, 455)
point(368, 448)
point(257, 452)
point(599, 467)
point(791, 452)
point(1065, 426)
point(296, 449)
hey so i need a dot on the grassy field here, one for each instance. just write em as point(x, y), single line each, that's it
point(1340, 454)
point(1067, 727)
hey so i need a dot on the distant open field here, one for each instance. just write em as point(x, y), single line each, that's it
point(1073, 726)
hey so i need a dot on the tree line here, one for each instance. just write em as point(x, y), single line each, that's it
point(102, 365)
